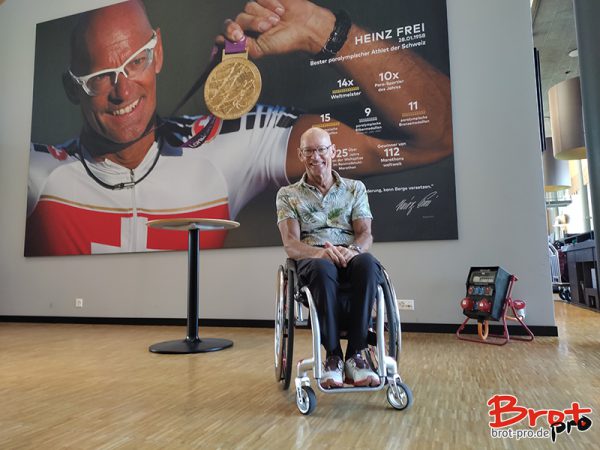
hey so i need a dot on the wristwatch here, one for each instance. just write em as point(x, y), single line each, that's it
point(338, 36)
point(355, 247)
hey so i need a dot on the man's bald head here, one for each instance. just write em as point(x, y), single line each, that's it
point(119, 21)
point(316, 152)
point(315, 134)
point(121, 114)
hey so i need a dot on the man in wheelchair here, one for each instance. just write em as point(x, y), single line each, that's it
point(325, 225)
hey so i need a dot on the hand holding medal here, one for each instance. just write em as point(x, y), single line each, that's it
point(276, 27)
point(233, 86)
point(265, 27)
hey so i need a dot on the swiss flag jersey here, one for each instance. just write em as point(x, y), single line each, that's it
point(200, 167)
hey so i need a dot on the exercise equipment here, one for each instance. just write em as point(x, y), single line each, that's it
point(489, 298)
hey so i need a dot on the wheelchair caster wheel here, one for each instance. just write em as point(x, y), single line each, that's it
point(399, 396)
point(306, 400)
point(565, 294)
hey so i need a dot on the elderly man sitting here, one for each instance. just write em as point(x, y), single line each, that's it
point(325, 224)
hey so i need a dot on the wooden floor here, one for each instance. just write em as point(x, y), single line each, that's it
point(98, 387)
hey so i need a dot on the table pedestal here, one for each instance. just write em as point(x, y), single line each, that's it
point(196, 345)
point(192, 343)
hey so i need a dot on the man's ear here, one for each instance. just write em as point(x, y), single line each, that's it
point(71, 88)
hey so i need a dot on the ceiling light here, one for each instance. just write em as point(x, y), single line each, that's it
point(566, 120)
point(556, 172)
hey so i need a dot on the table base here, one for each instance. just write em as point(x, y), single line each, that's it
point(191, 346)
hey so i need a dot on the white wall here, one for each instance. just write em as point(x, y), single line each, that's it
point(498, 179)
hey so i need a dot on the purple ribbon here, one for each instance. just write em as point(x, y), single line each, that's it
point(235, 47)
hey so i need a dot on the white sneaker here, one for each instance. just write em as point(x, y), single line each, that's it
point(359, 373)
point(332, 376)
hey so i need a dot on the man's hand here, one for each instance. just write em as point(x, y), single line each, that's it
point(280, 26)
point(275, 27)
point(339, 255)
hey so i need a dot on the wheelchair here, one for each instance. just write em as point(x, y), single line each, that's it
point(384, 341)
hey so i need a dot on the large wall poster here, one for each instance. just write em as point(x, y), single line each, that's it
point(385, 98)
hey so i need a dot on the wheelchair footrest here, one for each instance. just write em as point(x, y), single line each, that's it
point(350, 388)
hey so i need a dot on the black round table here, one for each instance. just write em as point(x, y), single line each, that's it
point(192, 343)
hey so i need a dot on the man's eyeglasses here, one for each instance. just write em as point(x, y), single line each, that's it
point(102, 81)
point(320, 150)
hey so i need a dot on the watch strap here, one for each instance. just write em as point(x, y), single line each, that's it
point(338, 36)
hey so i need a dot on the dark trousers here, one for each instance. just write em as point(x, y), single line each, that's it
point(353, 309)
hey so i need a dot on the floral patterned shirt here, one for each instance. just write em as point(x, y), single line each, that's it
point(324, 218)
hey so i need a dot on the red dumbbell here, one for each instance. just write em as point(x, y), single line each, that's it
point(484, 306)
point(467, 304)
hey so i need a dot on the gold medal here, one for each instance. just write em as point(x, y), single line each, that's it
point(233, 87)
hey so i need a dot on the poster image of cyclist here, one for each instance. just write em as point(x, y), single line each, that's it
point(113, 145)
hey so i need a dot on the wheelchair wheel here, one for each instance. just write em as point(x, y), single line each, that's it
point(392, 335)
point(399, 395)
point(393, 319)
point(279, 323)
point(306, 401)
point(391, 327)
point(284, 328)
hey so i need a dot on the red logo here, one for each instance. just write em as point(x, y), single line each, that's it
point(58, 153)
point(206, 121)
point(505, 412)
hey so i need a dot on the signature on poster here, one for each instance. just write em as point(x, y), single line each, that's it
point(407, 205)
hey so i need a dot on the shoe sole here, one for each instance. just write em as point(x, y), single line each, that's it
point(369, 381)
point(331, 384)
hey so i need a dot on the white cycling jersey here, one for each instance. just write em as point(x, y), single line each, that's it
point(200, 167)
